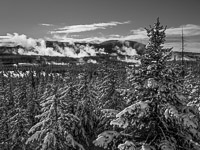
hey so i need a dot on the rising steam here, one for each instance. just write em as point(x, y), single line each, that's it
point(30, 46)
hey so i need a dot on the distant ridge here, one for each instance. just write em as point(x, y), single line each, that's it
point(112, 49)
point(50, 51)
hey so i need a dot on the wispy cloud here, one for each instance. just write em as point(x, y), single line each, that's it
point(173, 34)
point(47, 25)
point(191, 33)
point(115, 35)
point(189, 30)
point(65, 38)
point(137, 34)
point(74, 36)
point(189, 47)
point(86, 27)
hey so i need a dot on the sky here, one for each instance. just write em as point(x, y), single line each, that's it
point(76, 20)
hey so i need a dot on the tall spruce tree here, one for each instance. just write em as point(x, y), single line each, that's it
point(159, 117)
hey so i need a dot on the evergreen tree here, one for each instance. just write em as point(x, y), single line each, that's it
point(7, 103)
point(192, 86)
point(18, 122)
point(109, 90)
point(87, 108)
point(54, 129)
point(159, 117)
point(4, 114)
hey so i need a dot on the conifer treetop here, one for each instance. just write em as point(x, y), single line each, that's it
point(156, 34)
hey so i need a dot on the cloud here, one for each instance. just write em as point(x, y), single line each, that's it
point(47, 25)
point(95, 39)
point(41, 49)
point(22, 40)
point(190, 47)
point(173, 33)
point(191, 34)
point(17, 39)
point(74, 36)
point(4, 37)
point(188, 30)
point(138, 34)
point(87, 27)
point(115, 35)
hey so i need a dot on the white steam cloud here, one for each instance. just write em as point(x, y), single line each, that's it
point(18, 40)
point(38, 47)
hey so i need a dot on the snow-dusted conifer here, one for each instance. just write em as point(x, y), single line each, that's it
point(4, 113)
point(55, 122)
point(159, 118)
point(110, 94)
point(18, 122)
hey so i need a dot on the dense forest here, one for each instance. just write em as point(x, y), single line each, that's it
point(151, 106)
